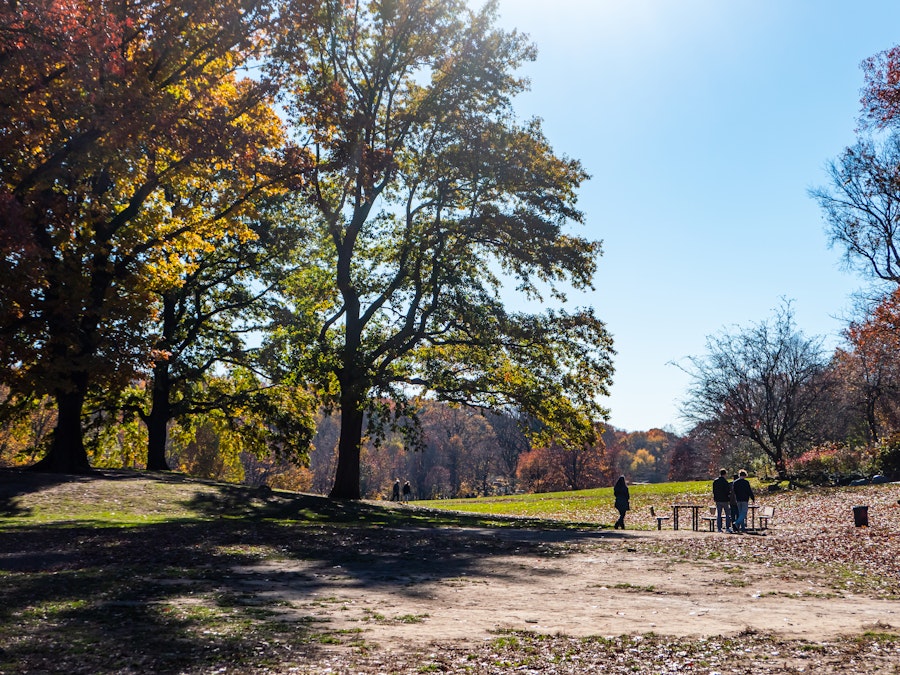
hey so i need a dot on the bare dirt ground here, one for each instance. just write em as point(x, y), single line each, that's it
point(604, 584)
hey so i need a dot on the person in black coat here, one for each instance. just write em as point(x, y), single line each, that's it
point(743, 493)
point(620, 492)
point(733, 501)
point(721, 488)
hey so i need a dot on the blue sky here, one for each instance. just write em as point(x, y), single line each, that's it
point(703, 124)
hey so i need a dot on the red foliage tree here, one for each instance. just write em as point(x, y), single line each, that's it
point(554, 468)
point(128, 144)
point(881, 95)
point(685, 462)
point(871, 367)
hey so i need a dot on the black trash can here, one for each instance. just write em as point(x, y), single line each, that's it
point(861, 516)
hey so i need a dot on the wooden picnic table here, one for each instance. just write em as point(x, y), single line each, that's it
point(695, 514)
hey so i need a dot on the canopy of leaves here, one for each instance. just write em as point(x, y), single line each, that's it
point(128, 145)
point(868, 367)
point(429, 198)
point(880, 101)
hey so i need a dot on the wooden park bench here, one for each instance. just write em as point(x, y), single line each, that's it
point(764, 515)
point(711, 518)
point(659, 519)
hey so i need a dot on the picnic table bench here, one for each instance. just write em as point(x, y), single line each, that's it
point(694, 511)
point(765, 514)
point(659, 519)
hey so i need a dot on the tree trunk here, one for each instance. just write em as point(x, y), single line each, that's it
point(347, 474)
point(872, 420)
point(161, 396)
point(67, 453)
point(781, 466)
point(158, 419)
point(346, 478)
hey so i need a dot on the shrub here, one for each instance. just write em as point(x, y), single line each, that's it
point(887, 459)
point(827, 462)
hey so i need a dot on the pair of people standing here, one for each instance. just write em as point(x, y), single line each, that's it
point(395, 493)
point(729, 495)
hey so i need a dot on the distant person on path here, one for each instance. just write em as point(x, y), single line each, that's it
point(721, 488)
point(395, 494)
point(743, 493)
point(407, 490)
point(620, 492)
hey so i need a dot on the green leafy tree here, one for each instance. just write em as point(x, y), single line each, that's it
point(429, 196)
point(202, 327)
point(246, 418)
point(25, 425)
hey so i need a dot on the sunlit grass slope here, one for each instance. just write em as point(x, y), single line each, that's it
point(580, 506)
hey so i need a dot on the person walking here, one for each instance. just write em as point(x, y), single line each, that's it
point(721, 489)
point(620, 492)
point(407, 490)
point(743, 494)
point(395, 494)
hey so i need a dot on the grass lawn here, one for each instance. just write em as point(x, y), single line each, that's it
point(585, 506)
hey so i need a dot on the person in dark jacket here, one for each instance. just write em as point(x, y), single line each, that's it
point(733, 501)
point(620, 492)
point(721, 488)
point(743, 493)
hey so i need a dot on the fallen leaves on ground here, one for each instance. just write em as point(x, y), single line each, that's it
point(817, 528)
point(749, 653)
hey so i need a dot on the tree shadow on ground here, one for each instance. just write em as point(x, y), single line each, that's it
point(262, 503)
point(188, 595)
point(14, 483)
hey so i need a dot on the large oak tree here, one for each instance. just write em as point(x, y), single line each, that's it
point(431, 200)
point(129, 142)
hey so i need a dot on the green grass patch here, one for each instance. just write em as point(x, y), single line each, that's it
point(631, 588)
point(587, 506)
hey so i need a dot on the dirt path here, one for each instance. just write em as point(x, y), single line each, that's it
point(606, 584)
